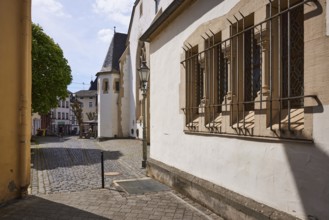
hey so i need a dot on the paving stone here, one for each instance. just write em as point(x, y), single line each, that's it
point(66, 184)
point(155, 217)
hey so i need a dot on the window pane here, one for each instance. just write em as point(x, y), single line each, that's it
point(117, 86)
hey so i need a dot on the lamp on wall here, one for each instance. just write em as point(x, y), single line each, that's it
point(144, 74)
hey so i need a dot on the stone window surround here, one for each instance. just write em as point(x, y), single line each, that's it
point(115, 81)
point(261, 120)
point(105, 86)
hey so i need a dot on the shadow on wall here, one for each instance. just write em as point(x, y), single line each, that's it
point(310, 168)
point(130, 94)
point(309, 164)
point(38, 208)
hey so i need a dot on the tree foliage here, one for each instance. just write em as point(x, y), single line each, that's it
point(91, 115)
point(51, 73)
point(77, 111)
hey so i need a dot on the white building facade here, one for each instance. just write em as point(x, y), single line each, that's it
point(110, 124)
point(88, 100)
point(36, 123)
point(119, 96)
point(61, 117)
point(143, 14)
point(125, 108)
point(89, 105)
point(108, 107)
point(237, 107)
point(242, 160)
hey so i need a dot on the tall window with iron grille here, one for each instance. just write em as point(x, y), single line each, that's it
point(253, 76)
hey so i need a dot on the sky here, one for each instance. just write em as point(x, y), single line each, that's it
point(84, 30)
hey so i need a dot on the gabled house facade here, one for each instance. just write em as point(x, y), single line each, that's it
point(89, 104)
point(239, 105)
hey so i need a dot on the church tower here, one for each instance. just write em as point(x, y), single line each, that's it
point(108, 89)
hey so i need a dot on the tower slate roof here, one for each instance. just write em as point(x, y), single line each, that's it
point(93, 84)
point(117, 47)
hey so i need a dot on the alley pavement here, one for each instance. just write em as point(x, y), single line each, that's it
point(66, 184)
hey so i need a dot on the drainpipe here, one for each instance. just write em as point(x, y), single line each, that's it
point(25, 87)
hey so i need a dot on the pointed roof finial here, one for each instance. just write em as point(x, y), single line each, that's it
point(114, 29)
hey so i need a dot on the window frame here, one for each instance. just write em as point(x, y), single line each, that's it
point(106, 86)
point(116, 86)
point(264, 101)
point(194, 85)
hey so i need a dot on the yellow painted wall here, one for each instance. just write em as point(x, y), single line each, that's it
point(15, 93)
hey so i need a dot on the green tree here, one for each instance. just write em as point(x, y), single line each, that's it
point(91, 115)
point(51, 73)
point(77, 110)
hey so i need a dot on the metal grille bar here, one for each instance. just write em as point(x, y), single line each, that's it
point(215, 71)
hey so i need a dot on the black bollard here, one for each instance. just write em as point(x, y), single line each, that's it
point(102, 168)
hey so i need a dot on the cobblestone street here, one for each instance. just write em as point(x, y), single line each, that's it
point(72, 164)
point(66, 184)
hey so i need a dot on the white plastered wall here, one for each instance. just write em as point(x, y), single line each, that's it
point(108, 108)
point(163, 4)
point(139, 25)
point(127, 94)
point(86, 109)
point(291, 177)
point(327, 14)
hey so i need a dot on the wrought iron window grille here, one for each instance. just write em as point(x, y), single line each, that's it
point(218, 83)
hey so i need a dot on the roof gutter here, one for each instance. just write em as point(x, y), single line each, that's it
point(168, 15)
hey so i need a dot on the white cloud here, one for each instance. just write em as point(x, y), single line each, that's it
point(49, 6)
point(111, 6)
point(105, 35)
point(84, 39)
point(118, 11)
